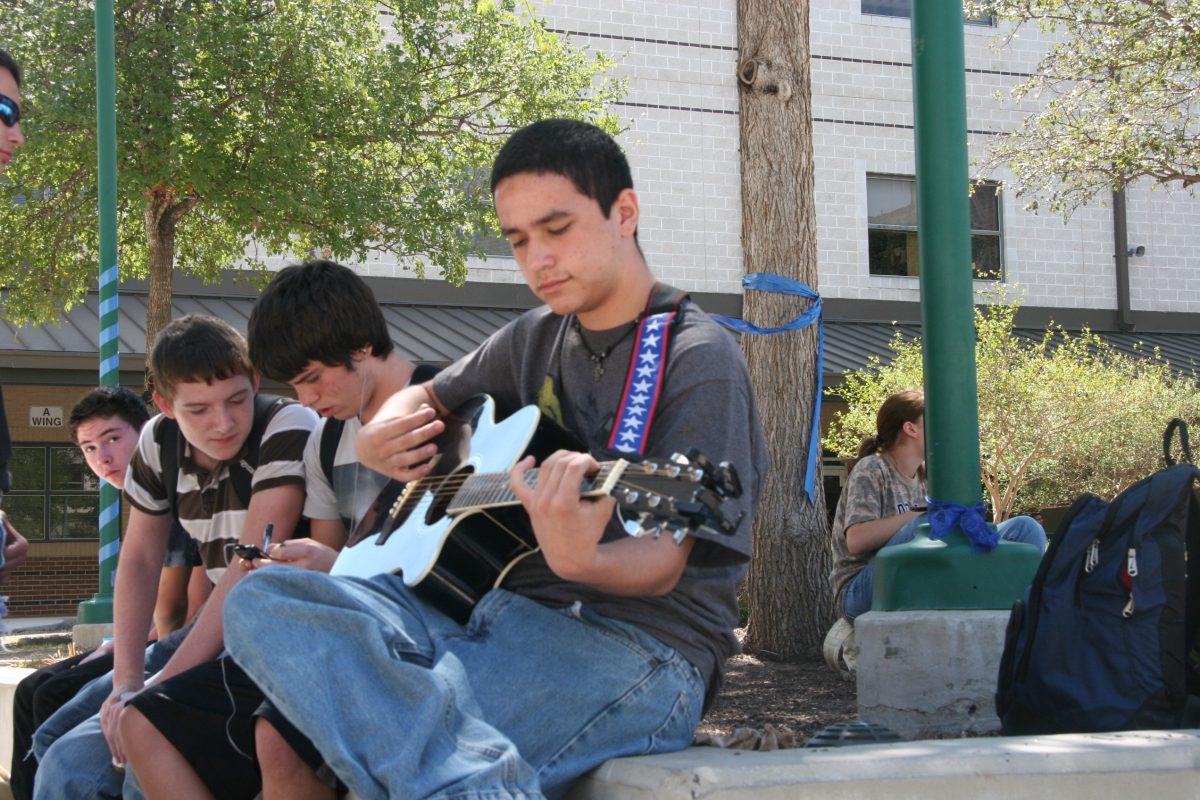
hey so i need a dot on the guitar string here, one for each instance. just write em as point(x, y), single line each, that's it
point(495, 491)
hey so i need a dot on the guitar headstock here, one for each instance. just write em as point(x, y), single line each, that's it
point(679, 497)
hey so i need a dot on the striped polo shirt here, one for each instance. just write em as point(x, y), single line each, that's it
point(209, 507)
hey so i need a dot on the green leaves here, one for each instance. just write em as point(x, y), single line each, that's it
point(1059, 414)
point(1119, 92)
point(295, 124)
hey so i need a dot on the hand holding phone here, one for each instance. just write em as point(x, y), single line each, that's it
point(248, 551)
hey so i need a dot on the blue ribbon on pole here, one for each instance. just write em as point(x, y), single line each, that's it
point(945, 516)
point(765, 282)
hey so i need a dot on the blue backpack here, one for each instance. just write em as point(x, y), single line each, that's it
point(1105, 638)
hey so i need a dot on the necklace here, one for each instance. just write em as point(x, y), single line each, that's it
point(598, 359)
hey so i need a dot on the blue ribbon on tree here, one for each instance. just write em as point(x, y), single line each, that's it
point(765, 282)
point(945, 516)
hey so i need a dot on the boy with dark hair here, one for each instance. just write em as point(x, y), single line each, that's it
point(598, 645)
point(105, 424)
point(318, 327)
point(193, 462)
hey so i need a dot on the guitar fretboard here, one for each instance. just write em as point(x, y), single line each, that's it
point(492, 489)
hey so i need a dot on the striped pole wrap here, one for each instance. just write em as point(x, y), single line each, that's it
point(110, 498)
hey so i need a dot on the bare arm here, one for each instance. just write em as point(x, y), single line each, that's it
point(395, 441)
point(569, 528)
point(133, 606)
point(867, 537)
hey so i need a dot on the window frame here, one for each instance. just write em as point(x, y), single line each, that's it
point(980, 22)
point(998, 233)
point(49, 494)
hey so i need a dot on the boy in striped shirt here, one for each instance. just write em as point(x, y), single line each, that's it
point(205, 384)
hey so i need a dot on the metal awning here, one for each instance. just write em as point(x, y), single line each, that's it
point(430, 333)
point(439, 333)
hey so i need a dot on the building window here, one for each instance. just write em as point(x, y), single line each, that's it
point(892, 228)
point(903, 9)
point(54, 496)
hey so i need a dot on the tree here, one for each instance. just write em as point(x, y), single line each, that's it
point(276, 126)
point(1058, 415)
point(1121, 95)
point(788, 592)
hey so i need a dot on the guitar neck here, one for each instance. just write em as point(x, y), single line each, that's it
point(492, 490)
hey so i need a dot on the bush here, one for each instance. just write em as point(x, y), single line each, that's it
point(1058, 416)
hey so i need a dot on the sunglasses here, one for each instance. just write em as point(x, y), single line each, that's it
point(10, 111)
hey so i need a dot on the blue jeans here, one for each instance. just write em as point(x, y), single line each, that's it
point(74, 762)
point(858, 595)
point(403, 702)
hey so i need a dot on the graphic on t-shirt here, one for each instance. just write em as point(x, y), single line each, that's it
point(548, 402)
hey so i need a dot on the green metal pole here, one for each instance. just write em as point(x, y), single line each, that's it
point(99, 608)
point(943, 219)
point(925, 574)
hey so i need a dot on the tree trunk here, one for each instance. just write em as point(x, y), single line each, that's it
point(790, 602)
point(160, 244)
point(163, 214)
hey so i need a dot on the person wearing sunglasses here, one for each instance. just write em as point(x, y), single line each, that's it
point(13, 547)
point(10, 109)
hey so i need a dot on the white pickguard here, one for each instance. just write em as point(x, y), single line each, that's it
point(415, 546)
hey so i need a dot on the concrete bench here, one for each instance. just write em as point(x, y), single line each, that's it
point(1142, 764)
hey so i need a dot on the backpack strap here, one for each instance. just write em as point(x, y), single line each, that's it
point(423, 373)
point(167, 437)
point(241, 473)
point(1174, 425)
point(331, 434)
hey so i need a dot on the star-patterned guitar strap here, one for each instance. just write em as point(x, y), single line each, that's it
point(644, 382)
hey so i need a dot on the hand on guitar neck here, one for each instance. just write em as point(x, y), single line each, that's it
point(569, 527)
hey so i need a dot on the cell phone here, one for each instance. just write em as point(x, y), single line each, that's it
point(248, 551)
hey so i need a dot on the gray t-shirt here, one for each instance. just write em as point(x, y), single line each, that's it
point(875, 489)
point(706, 403)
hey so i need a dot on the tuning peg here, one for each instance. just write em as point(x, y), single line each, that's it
point(631, 496)
point(672, 472)
point(680, 459)
point(731, 484)
point(641, 527)
point(653, 500)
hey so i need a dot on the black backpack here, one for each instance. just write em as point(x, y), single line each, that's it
point(1105, 638)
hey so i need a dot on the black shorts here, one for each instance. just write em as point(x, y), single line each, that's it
point(208, 714)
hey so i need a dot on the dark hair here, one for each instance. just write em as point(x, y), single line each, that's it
point(904, 406)
point(9, 63)
point(108, 401)
point(197, 348)
point(579, 151)
point(315, 311)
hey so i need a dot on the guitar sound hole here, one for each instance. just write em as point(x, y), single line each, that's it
point(445, 492)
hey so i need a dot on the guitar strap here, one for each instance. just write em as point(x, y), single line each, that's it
point(647, 371)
